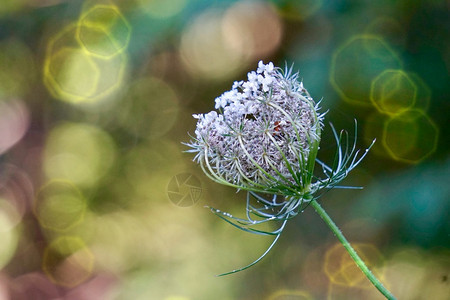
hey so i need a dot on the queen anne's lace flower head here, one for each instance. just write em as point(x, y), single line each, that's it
point(264, 136)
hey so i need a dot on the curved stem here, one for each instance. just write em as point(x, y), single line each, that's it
point(359, 262)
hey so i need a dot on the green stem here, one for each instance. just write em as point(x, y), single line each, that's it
point(359, 262)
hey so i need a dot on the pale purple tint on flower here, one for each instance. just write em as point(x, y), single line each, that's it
point(264, 128)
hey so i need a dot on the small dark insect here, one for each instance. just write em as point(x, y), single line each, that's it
point(444, 278)
point(277, 126)
point(279, 130)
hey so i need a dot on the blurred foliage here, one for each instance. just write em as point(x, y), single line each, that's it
point(96, 98)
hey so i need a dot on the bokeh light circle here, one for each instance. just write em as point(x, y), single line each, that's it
point(204, 50)
point(151, 166)
point(17, 189)
point(411, 136)
point(341, 269)
point(393, 92)
point(33, 285)
point(75, 75)
point(151, 109)
point(419, 274)
point(67, 261)
point(252, 29)
point(14, 122)
point(59, 205)
point(103, 31)
point(79, 153)
point(355, 65)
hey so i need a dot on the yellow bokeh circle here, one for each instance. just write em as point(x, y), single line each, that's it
point(393, 92)
point(410, 136)
point(72, 74)
point(341, 269)
point(78, 152)
point(59, 205)
point(103, 31)
point(67, 261)
point(355, 65)
point(75, 75)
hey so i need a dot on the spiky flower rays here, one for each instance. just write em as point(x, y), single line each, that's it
point(264, 139)
point(264, 136)
point(267, 211)
point(347, 157)
point(259, 210)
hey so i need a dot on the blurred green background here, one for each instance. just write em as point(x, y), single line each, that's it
point(98, 200)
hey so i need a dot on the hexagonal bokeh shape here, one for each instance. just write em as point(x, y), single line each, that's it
point(103, 31)
point(410, 136)
point(67, 261)
point(72, 74)
point(112, 72)
point(393, 92)
point(59, 205)
point(357, 63)
point(342, 270)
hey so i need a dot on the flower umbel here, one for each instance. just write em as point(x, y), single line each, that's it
point(264, 138)
point(265, 135)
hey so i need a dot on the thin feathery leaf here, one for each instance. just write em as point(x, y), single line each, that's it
point(260, 258)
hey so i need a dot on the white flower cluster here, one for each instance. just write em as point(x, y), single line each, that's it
point(262, 133)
